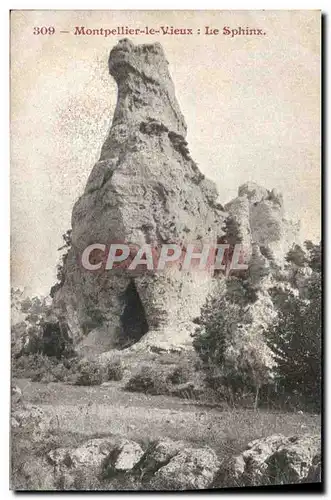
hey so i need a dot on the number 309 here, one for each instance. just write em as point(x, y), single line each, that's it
point(44, 30)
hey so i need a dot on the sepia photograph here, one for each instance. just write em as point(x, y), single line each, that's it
point(166, 255)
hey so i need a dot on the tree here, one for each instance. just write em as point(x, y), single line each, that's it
point(60, 274)
point(229, 342)
point(295, 336)
point(40, 332)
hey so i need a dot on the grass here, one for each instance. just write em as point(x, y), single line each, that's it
point(108, 409)
point(84, 412)
point(41, 368)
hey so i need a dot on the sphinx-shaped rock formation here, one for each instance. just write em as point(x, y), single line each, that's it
point(145, 188)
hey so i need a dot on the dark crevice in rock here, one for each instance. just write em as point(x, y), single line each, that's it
point(153, 127)
point(180, 145)
point(133, 320)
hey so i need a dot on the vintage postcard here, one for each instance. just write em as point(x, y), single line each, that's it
point(165, 250)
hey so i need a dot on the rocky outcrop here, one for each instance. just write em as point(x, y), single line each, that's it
point(275, 460)
point(145, 188)
point(262, 227)
point(99, 457)
point(166, 465)
point(190, 469)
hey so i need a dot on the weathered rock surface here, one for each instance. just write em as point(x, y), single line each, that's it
point(33, 419)
point(35, 475)
point(262, 227)
point(117, 453)
point(145, 188)
point(116, 463)
point(276, 460)
point(256, 219)
point(127, 456)
point(166, 464)
point(315, 470)
point(159, 454)
point(190, 469)
point(96, 458)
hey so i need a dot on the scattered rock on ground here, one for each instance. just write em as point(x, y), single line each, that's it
point(128, 456)
point(16, 395)
point(275, 459)
point(158, 454)
point(315, 470)
point(31, 417)
point(190, 469)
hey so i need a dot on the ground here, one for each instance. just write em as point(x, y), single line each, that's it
point(109, 409)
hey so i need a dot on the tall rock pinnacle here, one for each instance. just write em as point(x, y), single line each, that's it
point(145, 188)
point(145, 89)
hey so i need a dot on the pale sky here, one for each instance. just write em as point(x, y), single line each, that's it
point(251, 104)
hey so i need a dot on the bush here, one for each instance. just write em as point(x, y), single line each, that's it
point(41, 368)
point(40, 331)
point(149, 381)
point(114, 370)
point(89, 373)
point(234, 355)
point(296, 341)
point(33, 366)
point(180, 375)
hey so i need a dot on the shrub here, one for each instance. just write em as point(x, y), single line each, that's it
point(114, 370)
point(180, 375)
point(89, 373)
point(295, 339)
point(235, 358)
point(32, 366)
point(149, 381)
point(41, 368)
point(40, 331)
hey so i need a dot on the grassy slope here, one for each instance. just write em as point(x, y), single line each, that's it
point(108, 409)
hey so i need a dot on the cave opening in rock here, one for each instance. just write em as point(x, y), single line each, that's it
point(133, 320)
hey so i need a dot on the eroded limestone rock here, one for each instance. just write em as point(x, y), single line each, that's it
point(145, 188)
point(262, 227)
point(276, 459)
point(190, 469)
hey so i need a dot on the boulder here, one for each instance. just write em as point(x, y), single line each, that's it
point(189, 469)
point(158, 454)
point(275, 459)
point(33, 419)
point(127, 456)
point(97, 458)
point(93, 453)
point(292, 462)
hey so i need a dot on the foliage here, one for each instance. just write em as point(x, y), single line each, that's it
point(296, 335)
point(89, 373)
point(114, 370)
point(296, 256)
point(149, 381)
point(60, 275)
point(232, 351)
point(40, 331)
point(181, 374)
point(41, 368)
